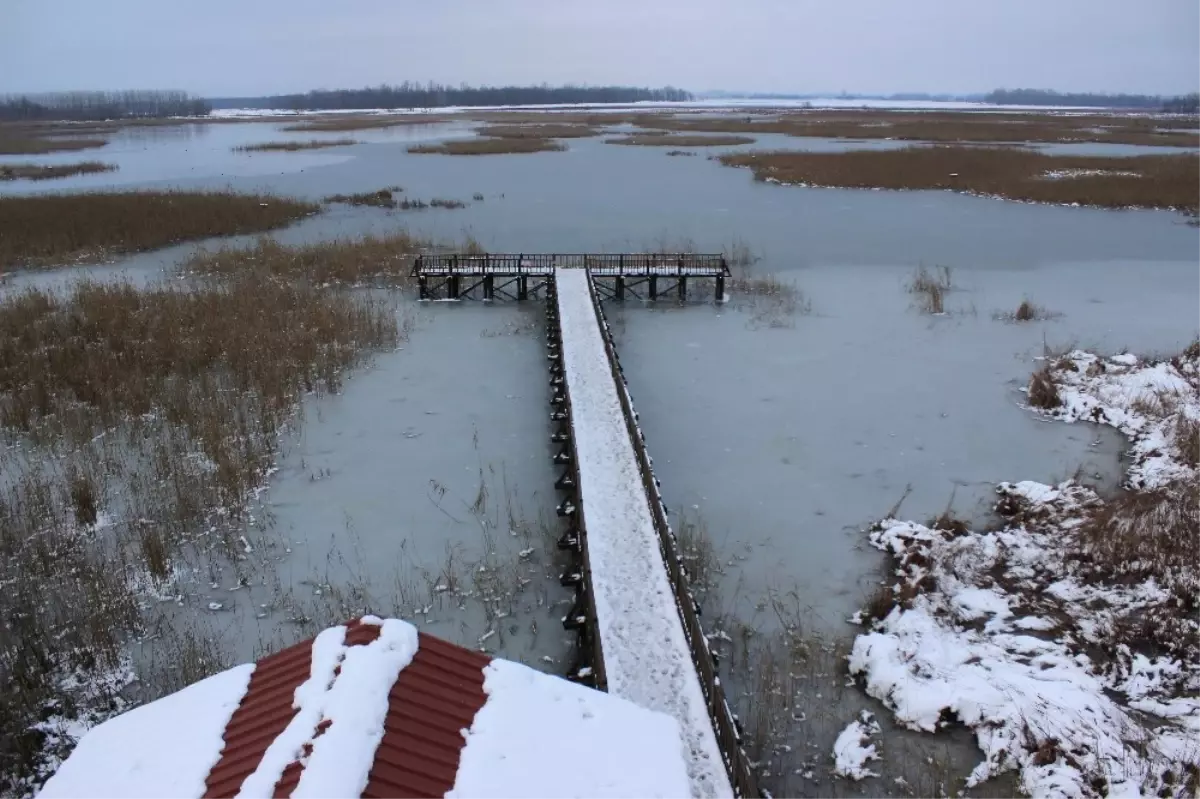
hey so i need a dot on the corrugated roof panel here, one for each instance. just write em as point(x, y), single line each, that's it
point(431, 702)
point(264, 713)
point(266, 710)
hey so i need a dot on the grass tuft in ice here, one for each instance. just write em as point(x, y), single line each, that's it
point(930, 287)
point(1043, 390)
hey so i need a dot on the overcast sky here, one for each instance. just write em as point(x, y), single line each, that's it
point(250, 47)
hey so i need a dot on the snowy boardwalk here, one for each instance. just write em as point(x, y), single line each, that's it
point(647, 659)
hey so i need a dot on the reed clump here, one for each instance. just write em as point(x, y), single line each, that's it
point(930, 287)
point(669, 140)
point(369, 122)
point(54, 229)
point(537, 131)
point(40, 172)
point(489, 146)
point(293, 146)
point(380, 199)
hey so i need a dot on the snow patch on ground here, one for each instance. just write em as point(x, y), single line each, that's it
point(853, 750)
point(1021, 636)
point(608, 747)
point(646, 655)
point(163, 749)
point(1144, 401)
point(1066, 174)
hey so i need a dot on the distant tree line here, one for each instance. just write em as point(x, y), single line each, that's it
point(88, 106)
point(1183, 104)
point(1050, 97)
point(433, 95)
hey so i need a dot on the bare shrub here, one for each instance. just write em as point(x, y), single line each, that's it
point(1043, 389)
point(680, 152)
point(930, 286)
point(52, 229)
point(293, 146)
point(438, 202)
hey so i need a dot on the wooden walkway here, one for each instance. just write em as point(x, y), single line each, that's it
point(638, 624)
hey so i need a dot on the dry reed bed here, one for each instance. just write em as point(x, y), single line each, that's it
point(1146, 181)
point(546, 131)
point(137, 422)
point(385, 260)
point(488, 146)
point(381, 199)
point(39, 172)
point(671, 140)
point(53, 229)
point(371, 122)
point(937, 127)
point(23, 143)
point(293, 146)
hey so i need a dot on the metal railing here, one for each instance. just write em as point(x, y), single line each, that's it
point(600, 264)
point(729, 739)
point(582, 561)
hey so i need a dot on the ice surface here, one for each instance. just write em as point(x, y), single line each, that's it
point(162, 749)
point(646, 655)
point(541, 736)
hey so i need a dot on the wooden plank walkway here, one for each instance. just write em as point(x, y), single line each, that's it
point(647, 657)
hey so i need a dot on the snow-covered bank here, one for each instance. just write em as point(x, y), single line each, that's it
point(1068, 639)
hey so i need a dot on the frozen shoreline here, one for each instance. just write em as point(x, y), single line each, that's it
point(1073, 660)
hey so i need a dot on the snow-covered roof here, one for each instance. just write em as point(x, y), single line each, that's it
point(374, 708)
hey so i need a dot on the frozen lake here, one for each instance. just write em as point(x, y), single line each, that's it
point(787, 438)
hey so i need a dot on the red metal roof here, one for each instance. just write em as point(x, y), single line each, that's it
point(432, 701)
